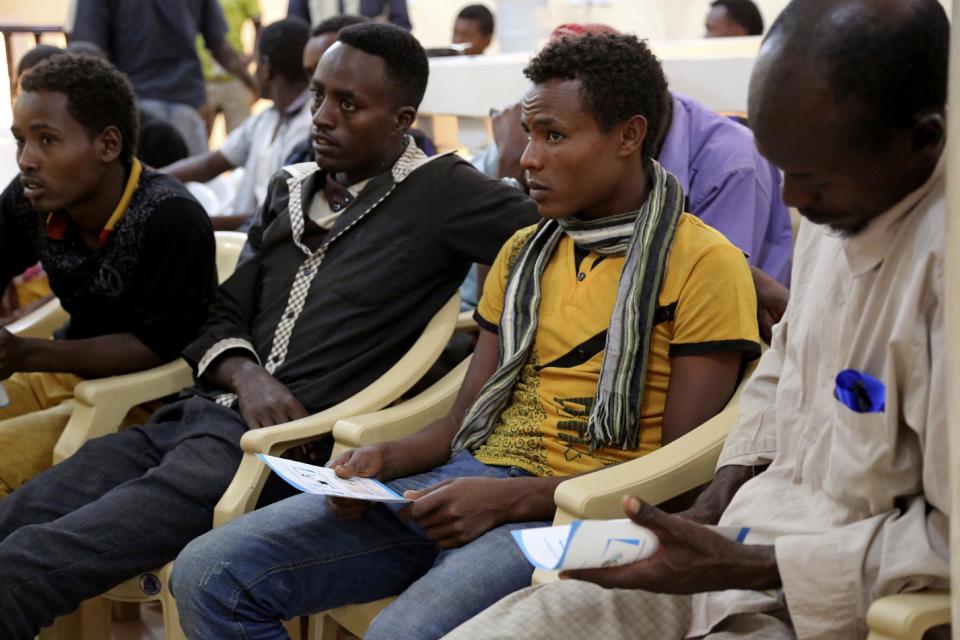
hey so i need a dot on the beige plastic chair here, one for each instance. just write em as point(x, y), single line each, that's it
point(907, 616)
point(242, 494)
point(669, 471)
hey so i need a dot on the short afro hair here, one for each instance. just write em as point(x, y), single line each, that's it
point(337, 23)
point(481, 15)
point(891, 64)
point(35, 56)
point(282, 43)
point(98, 95)
point(619, 78)
point(743, 12)
point(405, 59)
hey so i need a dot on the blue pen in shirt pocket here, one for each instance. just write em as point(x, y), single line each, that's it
point(860, 392)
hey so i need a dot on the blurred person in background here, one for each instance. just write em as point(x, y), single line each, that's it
point(733, 18)
point(474, 26)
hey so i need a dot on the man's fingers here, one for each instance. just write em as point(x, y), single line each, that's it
point(624, 577)
point(416, 494)
point(643, 513)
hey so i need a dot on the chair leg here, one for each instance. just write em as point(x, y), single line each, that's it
point(322, 627)
point(171, 619)
point(91, 621)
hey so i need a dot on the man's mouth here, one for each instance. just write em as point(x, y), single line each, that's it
point(31, 186)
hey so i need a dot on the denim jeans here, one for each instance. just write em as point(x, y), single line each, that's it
point(294, 558)
point(123, 504)
point(182, 117)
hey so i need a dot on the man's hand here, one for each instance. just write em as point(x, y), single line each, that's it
point(457, 511)
point(511, 141)
point(11, 355)
point(772, 298)
point(264, 400)
point(690, 559)
point(365, 462)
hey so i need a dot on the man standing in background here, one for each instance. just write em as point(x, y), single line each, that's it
point(152, 42)
point(733, 18)
point(474, 26)
point(315, 11)
point(226, 93)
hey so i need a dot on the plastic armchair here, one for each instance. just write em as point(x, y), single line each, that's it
point(907, 616)
point(42, 322)
point(100, 405)
point(393, 423)
point(242, 494)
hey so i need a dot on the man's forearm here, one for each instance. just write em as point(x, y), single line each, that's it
point(225, 372)
point(422, 451)
point(232, 61)
point(199, 168)
point(711, 504)
point(98, 357)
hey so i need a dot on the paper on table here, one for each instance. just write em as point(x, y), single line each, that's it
point(589, 544)
point(4, 398)
point(325, 482)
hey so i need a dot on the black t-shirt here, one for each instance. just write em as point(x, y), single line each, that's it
point(154, 277)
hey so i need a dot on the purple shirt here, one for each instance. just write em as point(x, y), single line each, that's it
point(729, 185)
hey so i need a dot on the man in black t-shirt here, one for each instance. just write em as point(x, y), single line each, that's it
point(128, 251)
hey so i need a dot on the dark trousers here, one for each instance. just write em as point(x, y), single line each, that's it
point(123, 504)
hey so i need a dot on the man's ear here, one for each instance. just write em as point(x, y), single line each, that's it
point(632, 134)
point(929, 133)
point(404, 117)
point(109, 144)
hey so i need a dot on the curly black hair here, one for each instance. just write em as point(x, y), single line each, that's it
point(619, 78)
point(402, 54)
point(282, 43)
point(482, 16)
point(743, 12)
point(891, 61)
point(337, 23)
point(98, 95)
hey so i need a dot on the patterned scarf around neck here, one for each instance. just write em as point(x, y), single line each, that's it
point(646, 236)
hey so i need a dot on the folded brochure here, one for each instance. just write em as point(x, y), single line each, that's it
point(325, 482)
point(590, 544)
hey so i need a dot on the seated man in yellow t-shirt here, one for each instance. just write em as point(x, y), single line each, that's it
point(617, 324)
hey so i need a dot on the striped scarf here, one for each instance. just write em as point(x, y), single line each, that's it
point(646, 237)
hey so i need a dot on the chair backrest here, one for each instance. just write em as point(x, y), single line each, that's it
point(229, 245)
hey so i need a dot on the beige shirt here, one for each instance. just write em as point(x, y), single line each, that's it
point(856, 504)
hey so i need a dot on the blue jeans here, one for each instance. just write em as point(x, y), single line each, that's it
point(294, 558)
point(182, 117)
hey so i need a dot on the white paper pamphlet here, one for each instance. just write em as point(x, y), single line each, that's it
point(4, 398)
point(325, 482)
point(591, 544)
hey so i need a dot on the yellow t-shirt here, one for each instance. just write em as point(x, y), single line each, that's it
point(707, 304)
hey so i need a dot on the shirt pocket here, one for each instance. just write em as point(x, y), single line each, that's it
point(859, 448)
point(373, 273)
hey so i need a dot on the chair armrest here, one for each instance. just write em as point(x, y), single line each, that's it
point(907, 616)
point(241, 496)
point(685, 463)
point(100, 405)
point(402, 419)
point(42, 322)
point(465, 321)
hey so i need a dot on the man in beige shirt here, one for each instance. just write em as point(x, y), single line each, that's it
point(847, 98)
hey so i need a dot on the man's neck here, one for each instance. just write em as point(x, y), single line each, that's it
point(285, 93)
point(384, 164)
point(91, 214)
point(630, 197)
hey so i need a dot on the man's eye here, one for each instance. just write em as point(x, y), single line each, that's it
point(553, 136)
point(45, 139)
point(348, 106)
